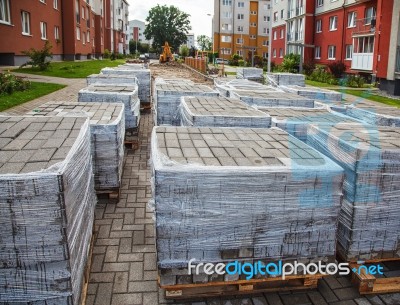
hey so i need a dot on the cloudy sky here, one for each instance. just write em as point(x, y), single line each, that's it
point(197, 9)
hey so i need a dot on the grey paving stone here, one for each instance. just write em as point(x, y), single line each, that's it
point(127, 298)
point(391, 299)
point(326, 292)
point(296, 299)
point(273, 298)
point(316, 298)
point(362, 301)
point(347, 293)
point(104, 294)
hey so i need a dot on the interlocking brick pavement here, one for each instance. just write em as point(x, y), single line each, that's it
point(124, 261)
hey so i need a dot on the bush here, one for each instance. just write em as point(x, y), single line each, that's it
point(321, 75)
point(337, 68)
point(308, 67)
point(113, 56)
point(354, 81)
point(290, 63)
point(241, 63)
point(39, 57)
point(107, 53)
point(234, 60)
point(120, 56)
point(10, 83)
point(258, 61)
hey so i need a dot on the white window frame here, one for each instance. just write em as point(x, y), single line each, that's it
point(318, 26)
point(276, 16)
point(88, 36)
point(253, 12)
point(226, 27)
point(333, 23)
point(349, 52)
point(351, 19)
point(331, 52)
point(55, 4)
point(253, 24)
point(240, 16)
point(264, 30)
point(320, 3)
point(239, 40)
point(56, 32)
point(43, 30)
point(317, 52)
point(226, 51)
point(280, 53)
point(368, 19)
point(253, 37)
point(265, 54)
point(227, 2)
point(43, 1)
point(274, 53)
point(240, 4)
point(226, 38)
point(275, 35)
point(78, 33)
point(5, 8)
point(282, 14)
point(227, 15)
point(83, 12)
point(240, 28)
point(24, 15)
point(265, 43)
point(282, 34)
point(83, 35)
point(239, 52)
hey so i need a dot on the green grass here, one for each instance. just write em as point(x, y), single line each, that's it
point(36, 90)
point(368, 95)
point(73, 69)
point(320, 85)
point(230, 73)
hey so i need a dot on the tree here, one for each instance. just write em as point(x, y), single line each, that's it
point(204, 43)
point(184, 51)
point(167, 23)
point(132, 46)
point(192, 51)
point(39, 57)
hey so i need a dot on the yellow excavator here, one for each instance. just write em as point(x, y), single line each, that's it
point(166, 55)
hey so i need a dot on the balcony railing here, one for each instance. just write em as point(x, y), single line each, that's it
point(398, 60)
point(364, 26)
point(295, 12)
point(299, 11)
point(362, 61)
point(78, 18)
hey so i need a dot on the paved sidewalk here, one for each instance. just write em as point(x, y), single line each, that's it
point(124, 259)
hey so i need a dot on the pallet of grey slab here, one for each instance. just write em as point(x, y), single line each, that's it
point(170, 81)
point(107, 131)
point(252, 74)
point(211, 111)
point(226, 86)
point(112, 79)
point(223, 194)
point(47, 203)
point(369, 222)
point(285, 79)
point(272, 99)
point(143, 75)
point(168, 99)
point(374, 115)
point(324, 95)
point(296, 120)
point(128, 95)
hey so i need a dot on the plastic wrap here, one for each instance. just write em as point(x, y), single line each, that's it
point(220, 112)
point(47, 205)
point(128, 95)
point(314, 93)
point(253, 74)
point(170, 81)
point(285, 79)
point(107, 129)
point(369, 223)
point(168, 99)
point(272, 99)
point(296, 120)
point(143, 75)
point(112, 79)
point(259, 192)
point(226, 86)
point(379, 116)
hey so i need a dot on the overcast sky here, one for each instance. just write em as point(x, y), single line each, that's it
point(197, 9)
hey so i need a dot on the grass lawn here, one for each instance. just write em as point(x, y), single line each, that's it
point(320, 85)
point(73, 69)
point(368, 95)
point(36, 90)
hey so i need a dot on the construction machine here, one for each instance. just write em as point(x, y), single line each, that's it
point(166, 55)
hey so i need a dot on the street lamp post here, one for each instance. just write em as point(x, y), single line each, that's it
point(269, 38)
point(212, 36)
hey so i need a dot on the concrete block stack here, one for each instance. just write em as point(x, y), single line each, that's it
point(252, 74)
point(369, 222)
point(128, 95)
point(272, 99)
point(222, 194)
point(47, 205)
point(226, 86)
point(169, 81)
point(143, 75)
point(168, 99)
point(107, 131)
point(380, 116)
point(285, 79)
point(112, 80)
point(314, 93)
point(220, 112)
point(296, 120)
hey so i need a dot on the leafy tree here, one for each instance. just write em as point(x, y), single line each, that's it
point(192, 51)
point(167, 23)
point(141, 47)
point(184, 51)
point(204, 42)
point(39, 57)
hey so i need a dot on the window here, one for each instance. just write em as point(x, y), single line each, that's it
point(227, 14)
point(239, 40)
point(317, 52)
point(274, 52)
point(43, 30)
point(88, 36)
point(282, 13)
point(264, 30)
point(333, 23)
point(282, 33)
point(26, 26)
point(240, 4)
point(83, 12)
point(275, 35)
point(56, 32)
point(226, 51)
point(349, 51)
point(351, 19)
point(78, 33)
point(331, 52)
point(5, 11)
point(265, 55)
point(240, 16)
point(276, 16)
point(265, 18)
point(55, 4)
point(364, 44)
point(78, 17)
point(240, 28)
point(253, 24)
point(252, 36)
point(370, 14)
point(226, 38)
point(265, 43)
point(227, 2)
point(320, 3)
point(43, 1)
point(226, 27)
point(240, 53)
point(281, 53)
point(83, 38)
point(253, 12)
point(318, 26)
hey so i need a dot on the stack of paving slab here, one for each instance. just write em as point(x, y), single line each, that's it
point(286, 79)
point(253, 74)
point(272, 99)
point(380, 116)
point(107, 129)
point(128, 95)
point(296, 120)
point(143, 75)
point(170, 81)
point(112, 80)
point(222, 194)
point(314, 93)
point(214, 111)
point(226, 87)
point(369, 222)
point(47, 203)
point(168, 99)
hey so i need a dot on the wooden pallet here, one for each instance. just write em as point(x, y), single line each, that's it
point(240, 287)
point(145, 107)
point(86, 273)
point(132, 144)
point(111, 193)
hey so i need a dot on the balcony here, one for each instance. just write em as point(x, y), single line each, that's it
point(362, 61)
point(300, 11)
point(398, 60)
point(364, 27)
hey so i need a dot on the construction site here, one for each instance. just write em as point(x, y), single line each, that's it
point(128, 187)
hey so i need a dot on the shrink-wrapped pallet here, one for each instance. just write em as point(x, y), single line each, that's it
point(112, 79)
point(226, 86)
point(285, 79)
point(252, 74)
point(314, 93)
